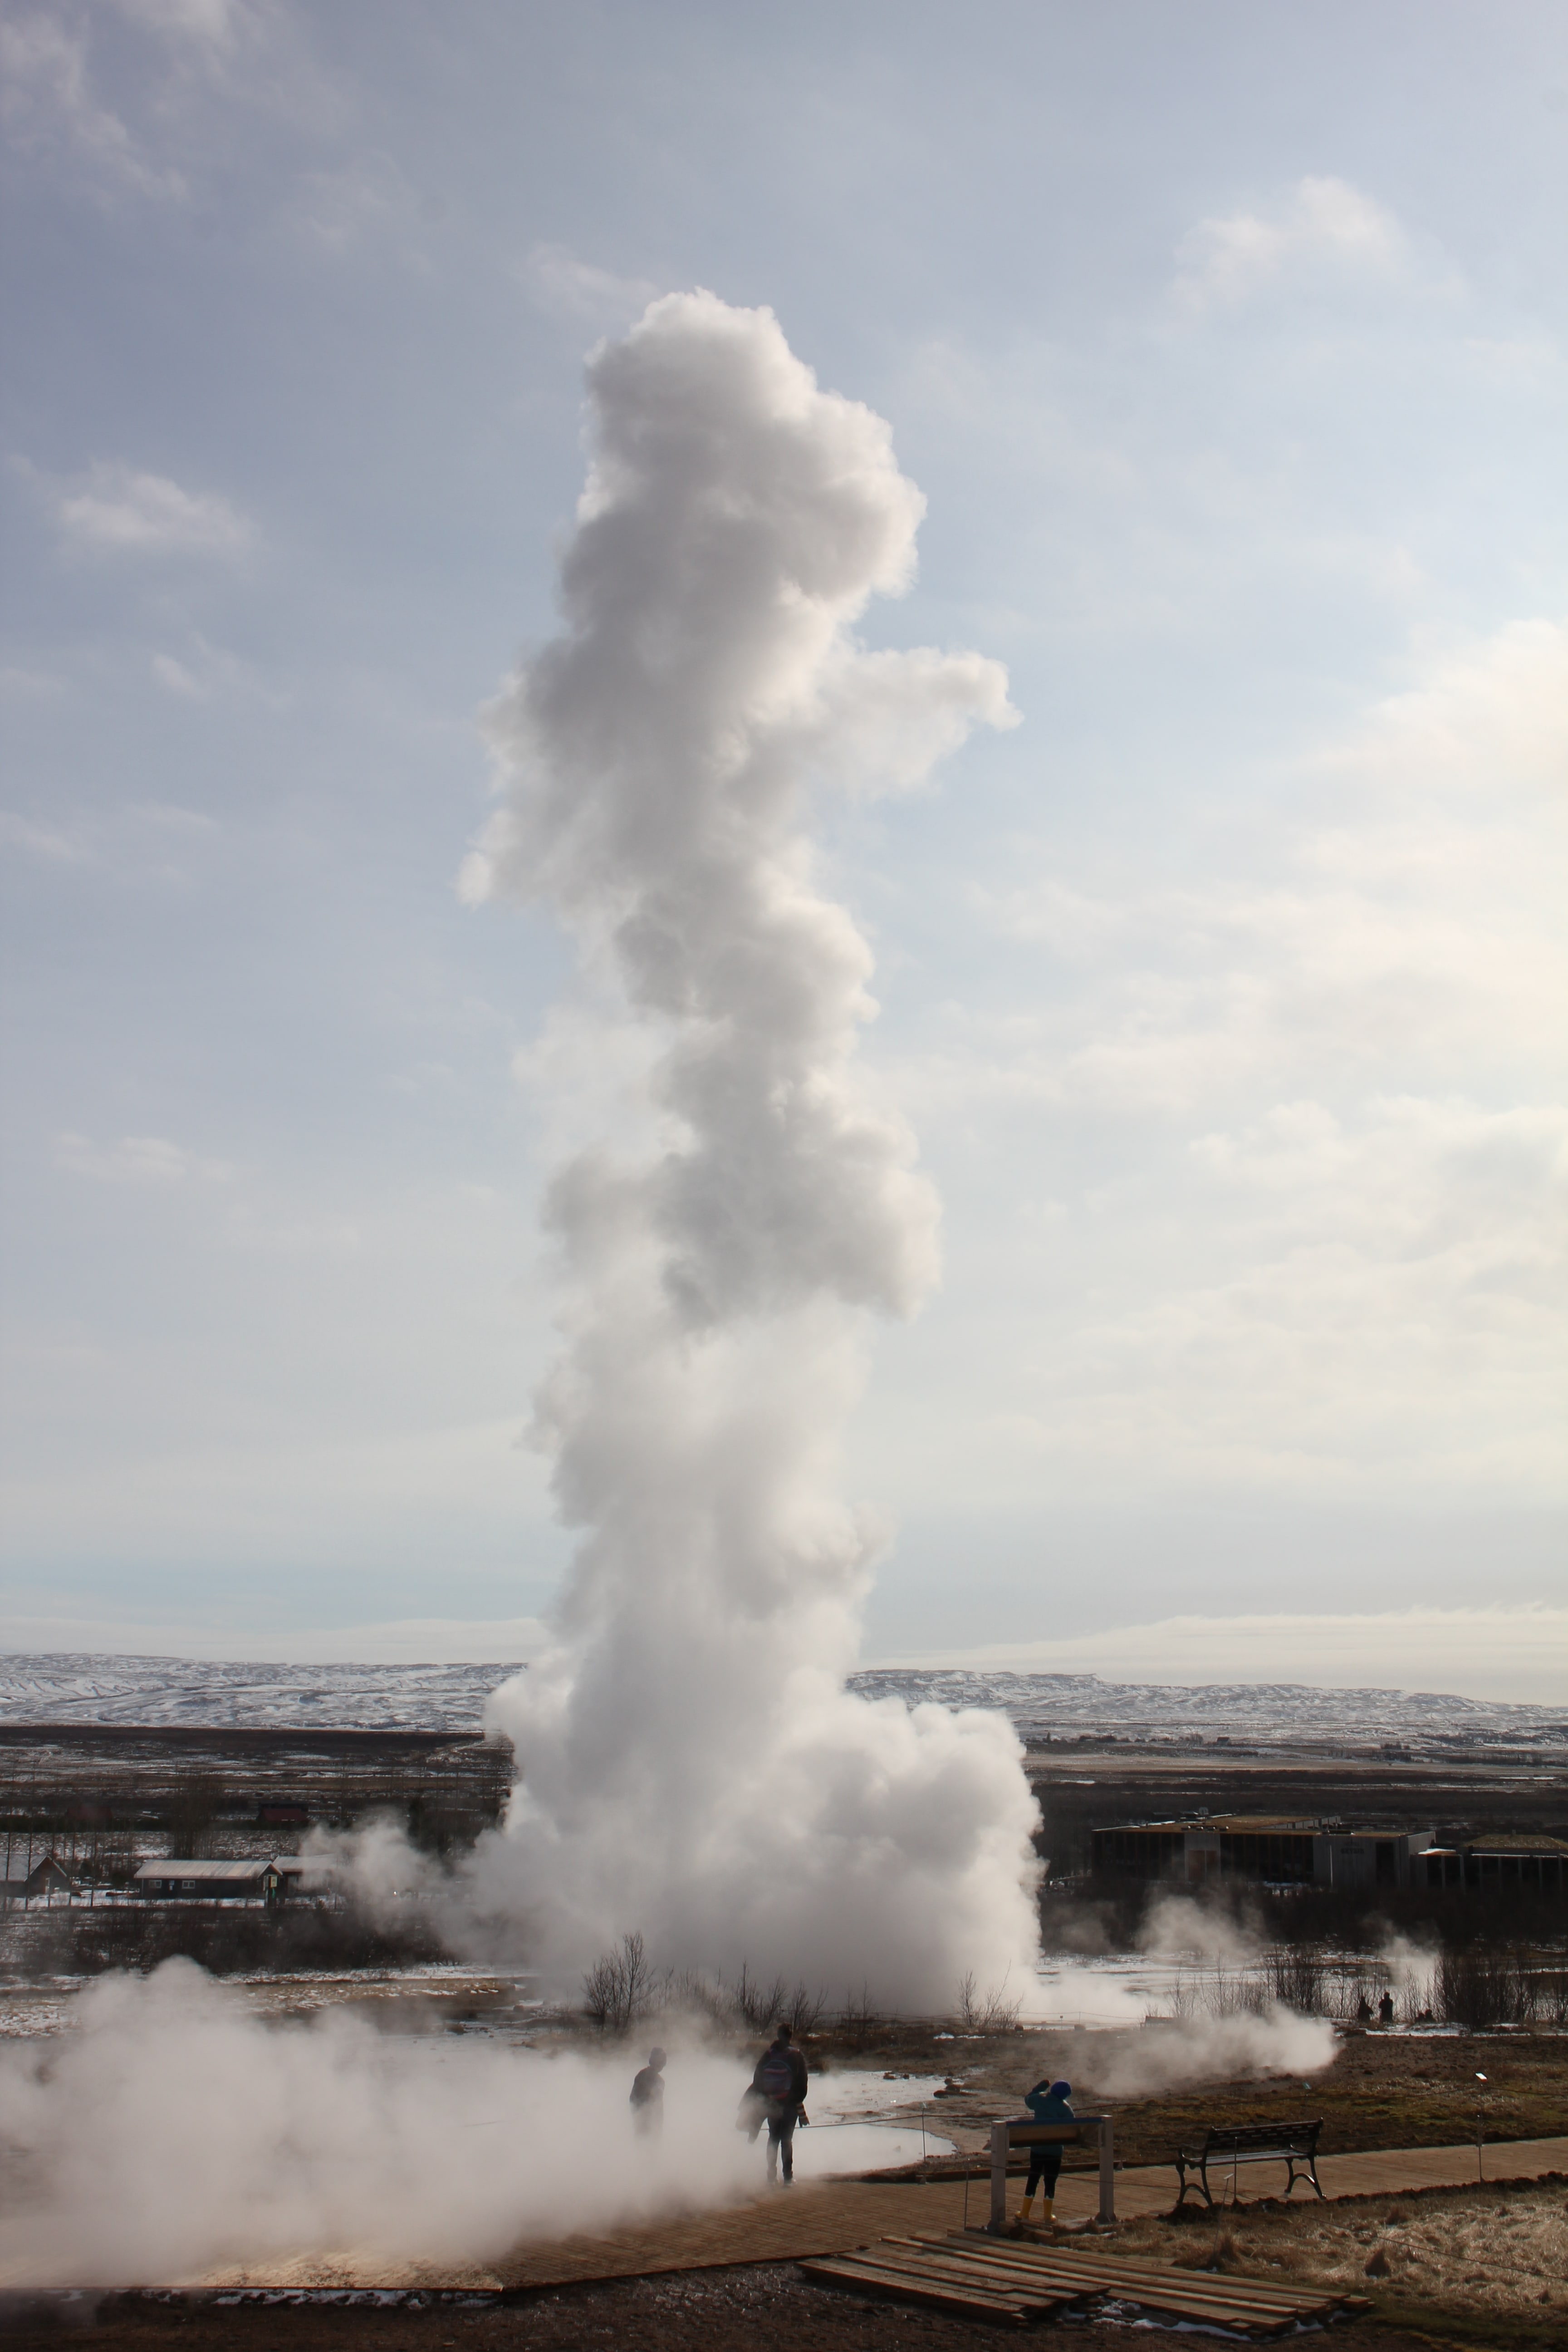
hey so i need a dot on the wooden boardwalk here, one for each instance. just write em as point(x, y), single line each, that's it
point(834, 2217)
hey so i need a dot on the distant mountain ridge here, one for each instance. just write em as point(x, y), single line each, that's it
point(67, 1687)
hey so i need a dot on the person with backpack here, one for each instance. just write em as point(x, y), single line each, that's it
point(777, 2097)
point(1048, 2103)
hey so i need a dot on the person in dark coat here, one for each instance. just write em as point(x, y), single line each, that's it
point(778, 2099)
point(1048, 2103)
point(647, 2096)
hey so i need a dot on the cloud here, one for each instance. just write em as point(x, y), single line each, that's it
point(399, 1640)
point(138, 844)
point(1335, 1075)
point(47, 101)
point(60, 844)
point(18, 682)
point(120, 511)
point(1412, 920)
point(365, 202)
point(207, 672)
point(559, 281)
point(1326, 228)
point(149, 1160)
point(1513, 1654)
point(204, 25)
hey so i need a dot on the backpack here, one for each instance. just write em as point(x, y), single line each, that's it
point(775, 2075)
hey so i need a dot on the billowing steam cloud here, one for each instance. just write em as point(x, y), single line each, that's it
point(693, 1766)
point(171, 2132)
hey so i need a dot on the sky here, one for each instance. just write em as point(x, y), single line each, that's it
point(1225, 992)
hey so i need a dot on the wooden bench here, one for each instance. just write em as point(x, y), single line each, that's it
point(1230, 2145)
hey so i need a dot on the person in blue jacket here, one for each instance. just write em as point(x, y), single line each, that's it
point(1048, 2103)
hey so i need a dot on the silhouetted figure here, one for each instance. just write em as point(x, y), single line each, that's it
point(1385, 2009)
point(1047, 2104)
point(1364, 2010)
point(778, 2099)
point(647, 2096)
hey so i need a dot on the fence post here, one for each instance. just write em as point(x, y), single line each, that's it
point(998, 2179)
point(1106, 2169)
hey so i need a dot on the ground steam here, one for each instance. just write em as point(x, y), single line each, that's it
point(692, 1767)
point(171, 2132)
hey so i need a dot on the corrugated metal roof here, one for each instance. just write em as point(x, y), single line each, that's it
point(1517, 1845)
point(207, 1872)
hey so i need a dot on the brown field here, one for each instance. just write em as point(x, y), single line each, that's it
point(1383, 2090)
point(1488, 2263)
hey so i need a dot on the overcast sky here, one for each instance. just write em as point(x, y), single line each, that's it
point(1227, 991)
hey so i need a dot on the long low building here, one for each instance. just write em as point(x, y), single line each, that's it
point(1275, 1849)
point(1529, 1865)
point(1280, 1851)
point(173, 1880)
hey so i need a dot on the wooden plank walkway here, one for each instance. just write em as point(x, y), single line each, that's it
point(835, 2217)
point(1003, 2278)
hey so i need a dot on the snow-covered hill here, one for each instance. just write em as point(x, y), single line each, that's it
point(1261, 1713)
point(67, 1688)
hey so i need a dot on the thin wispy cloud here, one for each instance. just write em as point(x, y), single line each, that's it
point(119, 509)
point(1324, 226)
point(150, 1159)
point(149, 841)
point(205, 24)
point(50, 103)
point(560, 281)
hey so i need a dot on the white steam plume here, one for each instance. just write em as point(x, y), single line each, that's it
point(170, 2132)
point(691, 1765)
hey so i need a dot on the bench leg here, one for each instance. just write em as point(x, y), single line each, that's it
point(1199, 2181)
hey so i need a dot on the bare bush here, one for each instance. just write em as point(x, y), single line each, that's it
point(858, 2008)
point(756, 2002)
point(1490, 1984)
point(619, 1987)
point(1296, 1979)
point(622, 1986)
point(986, 2013)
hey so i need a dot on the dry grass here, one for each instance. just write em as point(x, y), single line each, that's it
point(1494, 2256)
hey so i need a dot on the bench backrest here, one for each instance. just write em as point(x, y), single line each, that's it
point(1225, 2139)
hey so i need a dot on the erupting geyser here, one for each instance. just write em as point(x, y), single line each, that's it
point(692, 1765)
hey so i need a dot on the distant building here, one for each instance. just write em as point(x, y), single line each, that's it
point(1282, 1851)
point(283, 1815)
point(1534, 1865)
point(173, 1880)
point(1271, 1847)
point(37, 1882)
